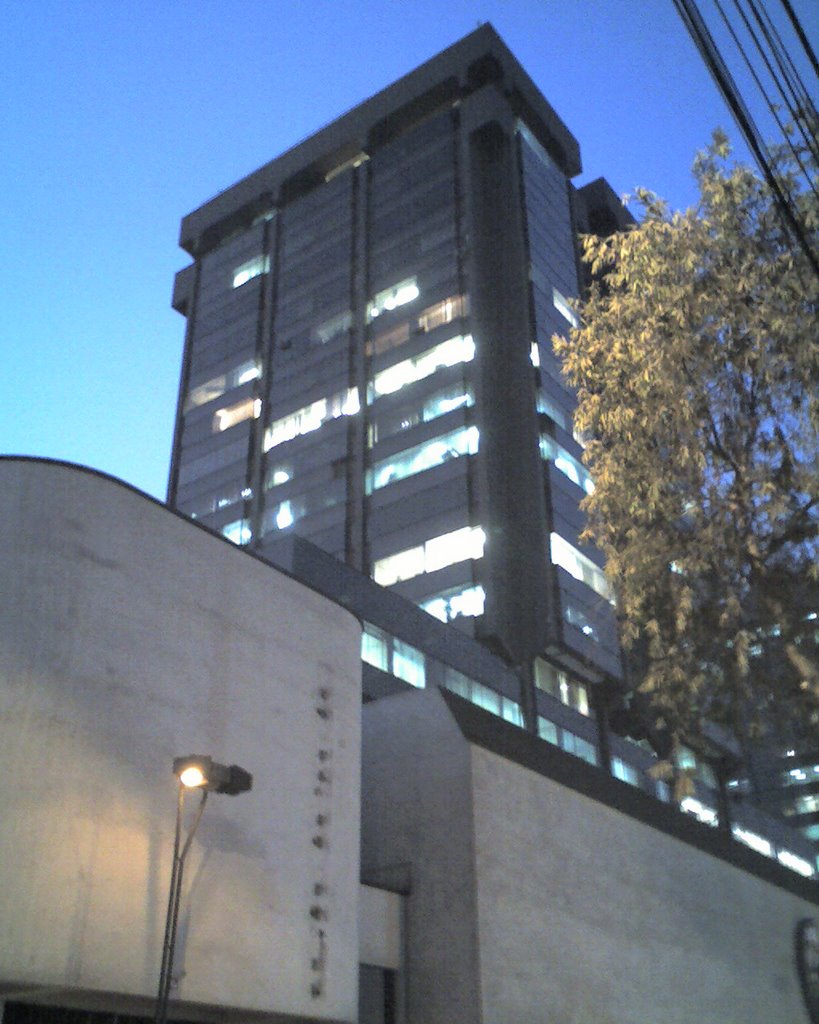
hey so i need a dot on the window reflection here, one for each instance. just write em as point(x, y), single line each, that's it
point(463, 441)
point(460, 349)
point(436, 553)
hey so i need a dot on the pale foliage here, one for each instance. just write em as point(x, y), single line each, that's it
point(696, 369)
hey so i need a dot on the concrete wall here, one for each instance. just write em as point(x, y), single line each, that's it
point(586, 915)
point(129, 636)
point(417, 835)
point(534, 903)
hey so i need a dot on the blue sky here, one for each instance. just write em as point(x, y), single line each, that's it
point(119, 117)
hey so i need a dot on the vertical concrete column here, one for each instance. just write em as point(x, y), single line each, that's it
point(510, 496)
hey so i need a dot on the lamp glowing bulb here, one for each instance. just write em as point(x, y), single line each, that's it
point(192, 777)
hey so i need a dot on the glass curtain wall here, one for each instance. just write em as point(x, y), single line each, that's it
point(553, 278)
point(418, 343)
point(222, 399)
point(311, 392)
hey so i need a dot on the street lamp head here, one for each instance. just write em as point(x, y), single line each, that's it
point(192, 777)
point(197, 771)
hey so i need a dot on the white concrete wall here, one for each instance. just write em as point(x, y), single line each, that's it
point(590, 917)
point(379, 928)
point(530, 903)
point(417, 832)
point(129, 636)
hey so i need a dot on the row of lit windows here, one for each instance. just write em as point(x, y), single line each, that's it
point(402, 660)
point(253, 268)
point(567, 740)
point(559, 684)
point(460, 349)
point(391, 298)
point(239, 412)
point(551, 451)
point(801, 776)
point(554, 412)
point(436, 553)
point(579, 566)
point(216, 502)
point(217, 386)
point(456, 603)
point(283, 515)
point(709, 816)
point(442, 312)
point(311, 417)
point(456, 443)
point(389, 654)
point(346, 402)
point(393, 421)
point(808, 803)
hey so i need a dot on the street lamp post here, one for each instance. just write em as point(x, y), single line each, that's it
point(202, 773)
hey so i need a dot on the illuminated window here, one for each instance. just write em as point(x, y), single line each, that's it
point(448, 549)
point(346, 165)
point(575, 617)
point(311, 417)
point(560, 685)
point(534, 354)
point(283, 515)
point(333, 327)
point(463, 441)
point(375, 647)
point(389, 654)
point(702, 812)
point(238, 532)
point(551, 451)
point(391, 338)
point(466, 602)
point(253, 268)
point(547, 730)
point(625, 772)
point(228, 417)
point(482, 696)
point(278, 475)
point(577, 746)
point(408, 663)
point(753, 839)
point(798, 864)
point(577, 565)
point(393, 421)
point(808, 804)
point(443, 312)
point(391, 298)
point(217, 386)
point(561, 304)
point(448, 353)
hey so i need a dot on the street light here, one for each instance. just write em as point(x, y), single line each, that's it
point(200, 772)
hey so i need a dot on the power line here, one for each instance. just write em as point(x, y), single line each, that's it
point(787, 82)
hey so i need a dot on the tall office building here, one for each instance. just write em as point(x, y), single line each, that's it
point(368, 358)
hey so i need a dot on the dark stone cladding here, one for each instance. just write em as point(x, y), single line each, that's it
point(493, 734)
point(477, 60)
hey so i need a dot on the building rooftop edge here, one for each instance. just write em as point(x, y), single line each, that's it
point(454, 62)
point(490, 733)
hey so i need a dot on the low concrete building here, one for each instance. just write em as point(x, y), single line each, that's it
point(128, 636)
point(507, 880)
point(542, 891)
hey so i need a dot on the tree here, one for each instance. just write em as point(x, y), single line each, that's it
point(697, 372)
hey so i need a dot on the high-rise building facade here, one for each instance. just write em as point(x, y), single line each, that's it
point(368, 357)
